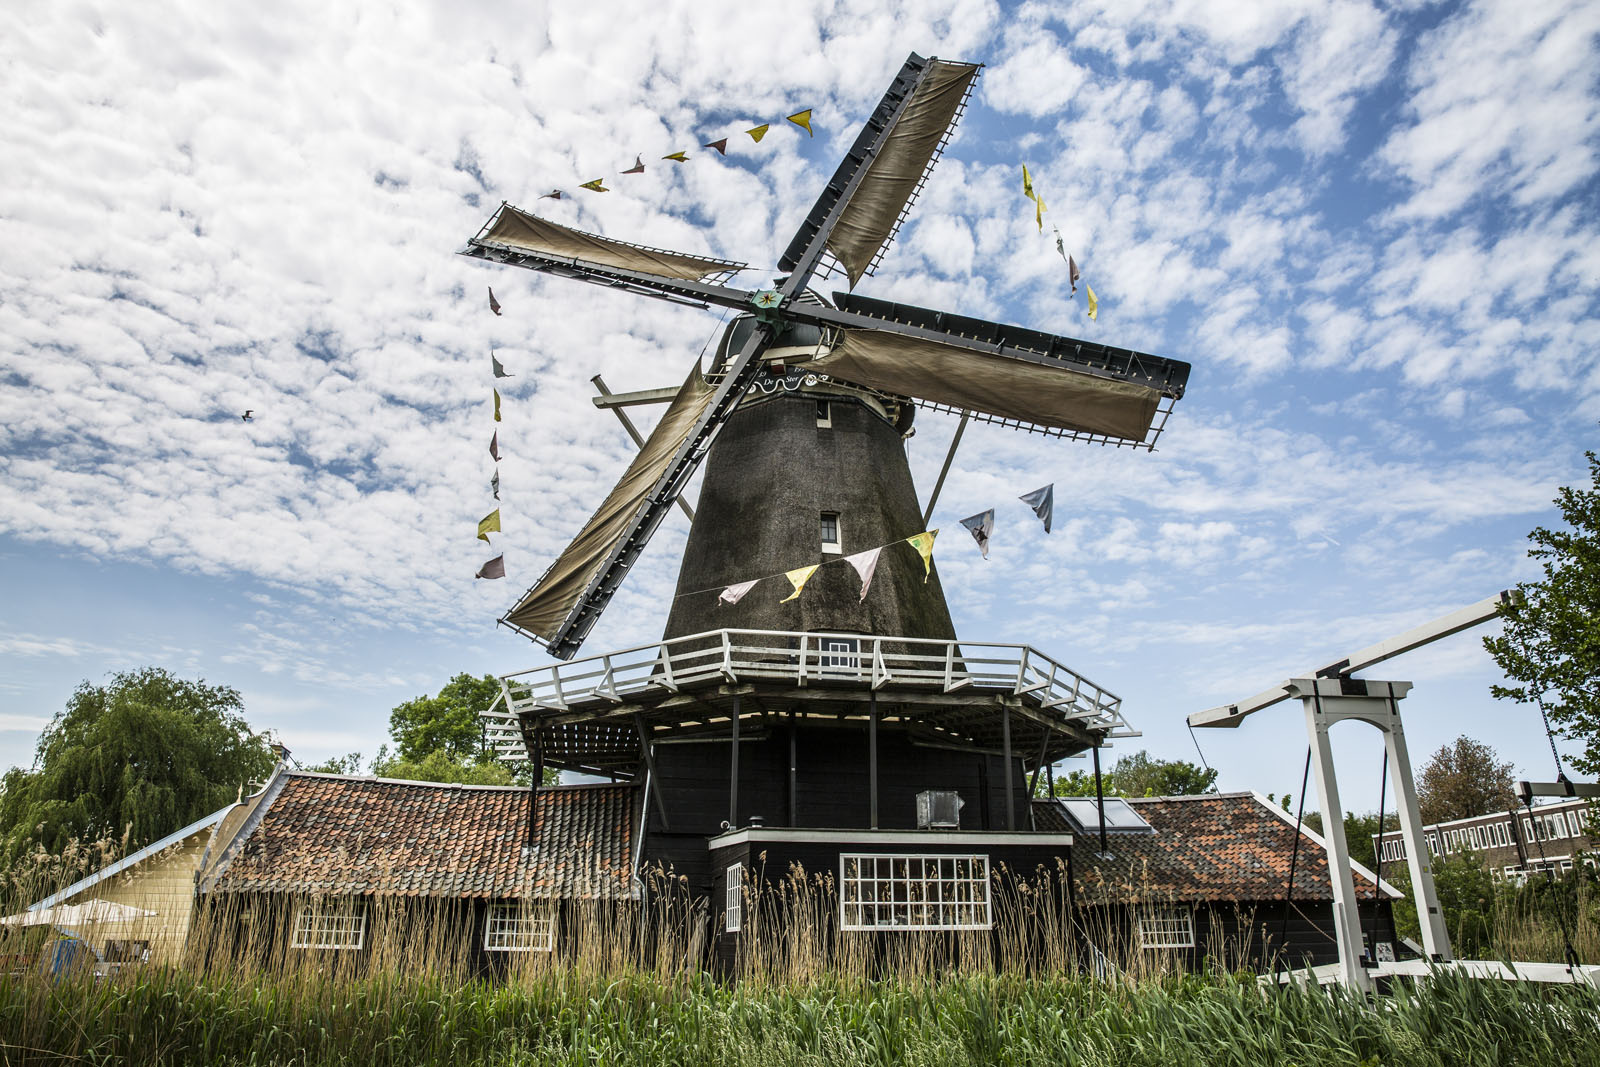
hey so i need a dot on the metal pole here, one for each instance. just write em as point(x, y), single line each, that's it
point(1005, 748)
point(933, 498)
point(1100, 800)
point(733, 765)
point(533, 790)
point(794, 812)
point(872, 754)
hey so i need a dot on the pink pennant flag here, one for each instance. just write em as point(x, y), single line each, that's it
point(735, 593)
point(866, 564)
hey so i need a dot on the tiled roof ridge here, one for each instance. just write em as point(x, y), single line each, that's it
point(1235, 795)
point(373, 779)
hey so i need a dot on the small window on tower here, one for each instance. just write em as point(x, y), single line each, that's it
point(824, 413)
point(830, 531)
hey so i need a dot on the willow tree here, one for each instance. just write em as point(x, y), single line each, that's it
point(134, 759)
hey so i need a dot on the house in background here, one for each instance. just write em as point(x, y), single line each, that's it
point(1511, 844)
point(1209, 875)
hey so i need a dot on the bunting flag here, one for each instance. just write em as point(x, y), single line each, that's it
point(499, 368)
point(554, 194)
point(721, 145)
point(1072, 274)
point(497, 405)
point(758, 132)
point(1038, 204)
point(494, 446)
point(923, 543)
point(494, 305)
point(866, 565)
point(735, 593)
point(490, 523)
point(494, 483)
point(802, 119)
point(677, 157)
point(1043, 503)
point(1094, 305)
point(495, 568)
point(1061, 249)
point(982, 526)
point(595, 185)
point(638, 165)
point(798, 578)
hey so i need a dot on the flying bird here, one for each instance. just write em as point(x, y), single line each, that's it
point(494, 305)
point(248, 413)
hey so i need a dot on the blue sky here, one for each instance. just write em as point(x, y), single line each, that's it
point(1373, 230)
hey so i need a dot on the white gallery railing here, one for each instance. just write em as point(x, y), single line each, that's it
point(802, 659)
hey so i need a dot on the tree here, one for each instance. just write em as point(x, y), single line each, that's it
point(440, 738)
point(1140, 775)
point(1463, 779)
point(1550, 640)
point(141, 756)
point(447, 722)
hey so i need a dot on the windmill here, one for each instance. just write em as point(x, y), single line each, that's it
point(835, 700)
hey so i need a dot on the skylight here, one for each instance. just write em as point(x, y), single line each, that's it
point(1120, 816)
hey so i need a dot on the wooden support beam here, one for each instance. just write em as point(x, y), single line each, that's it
point(872, 755)
point(1005, 744)
point(650, 765)
point(733, 768)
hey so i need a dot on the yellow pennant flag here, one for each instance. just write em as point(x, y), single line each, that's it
point(1038, 204)
point(490, 523)
point(923, 543)
point(595, 185)
point(497, 405)
point(802, 119)
point(759, 132)
point(1027, 183)
point(1094, 305)
point(798, 578)
point(680, 157)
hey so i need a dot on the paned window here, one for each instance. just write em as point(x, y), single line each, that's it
point(1168, 928)
point(330, 924)
point(1557, 826)
point(734, 905)
point(515, 928)
point(899, 892)
point(1575, 820)
point(830, 532)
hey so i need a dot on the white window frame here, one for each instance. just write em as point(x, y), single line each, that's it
point(1575, 820)
point(843, 658)
point(824, 414)
point(733, 899)
point(518, 928)
point(338, 925)
point(914, 891)
point(1557, 825)
point(1167, 928)
point(837, 544)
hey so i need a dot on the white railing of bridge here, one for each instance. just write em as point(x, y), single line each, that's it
point(804, 659)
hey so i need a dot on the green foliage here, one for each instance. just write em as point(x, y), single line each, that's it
point(1463, 779)
point(168, 1017)
point(1141, 775)
point(346, 764)
point(447, 722)
point(1358, 833)
point(1550, 642)
point(143, 755)
point(440, 766)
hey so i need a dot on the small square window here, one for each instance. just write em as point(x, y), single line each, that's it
point(830, 532)
point(824, 414)
point(515, 928)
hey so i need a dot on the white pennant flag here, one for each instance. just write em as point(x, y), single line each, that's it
point(1043, 503)
point(734, 593)
point(981, 525)
point(866, 564)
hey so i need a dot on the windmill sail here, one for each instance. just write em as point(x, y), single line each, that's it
point(1008, 372)
point(545, 607)
point(938, 90)
point(521, 231)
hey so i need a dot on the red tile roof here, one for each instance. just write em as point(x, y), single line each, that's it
point(1217, 846)
point(325, 833)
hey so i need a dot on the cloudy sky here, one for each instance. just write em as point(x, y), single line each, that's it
point(1374, 230)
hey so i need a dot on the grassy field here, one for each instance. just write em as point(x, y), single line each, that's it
point(170, 1017)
